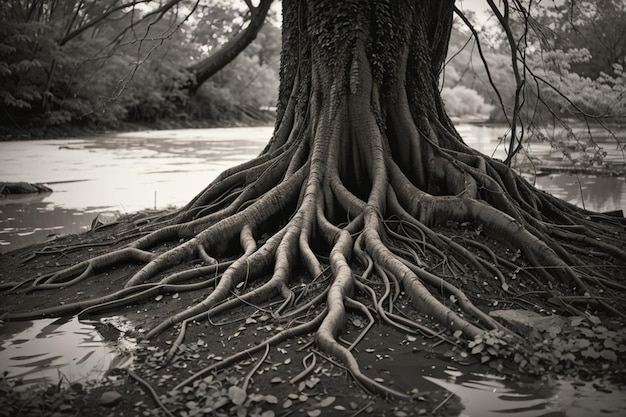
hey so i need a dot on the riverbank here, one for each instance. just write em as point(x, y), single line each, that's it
point(145, 388)
point(441, 375)
point(247, 117)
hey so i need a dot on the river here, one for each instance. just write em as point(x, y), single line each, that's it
point(128, 172)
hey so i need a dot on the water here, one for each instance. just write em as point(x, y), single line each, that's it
point(158, 169)
point(47, 351)
point(123, 173)
point(600, 194)
point(485, 395)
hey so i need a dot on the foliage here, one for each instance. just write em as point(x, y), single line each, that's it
point(129, 67)
point(54, 400)
point(463, 101)
point(573, 58)
point(558, 345)
point(575, 95)
point(596, 25)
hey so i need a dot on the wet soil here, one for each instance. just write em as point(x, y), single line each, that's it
point(327, 390)
point(275, 387)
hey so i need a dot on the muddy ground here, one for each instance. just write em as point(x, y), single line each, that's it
point(277, 386)
point(328, 389)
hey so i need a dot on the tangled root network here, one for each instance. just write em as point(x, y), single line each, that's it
point(340, 213)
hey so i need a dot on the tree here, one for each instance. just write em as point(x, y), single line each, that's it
point(366, 189)
point(593, 25)
point(52, 50)
point(210, 65)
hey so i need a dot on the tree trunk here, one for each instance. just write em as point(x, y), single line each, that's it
point(368, 188)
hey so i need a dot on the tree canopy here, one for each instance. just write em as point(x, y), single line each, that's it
point(142, 54)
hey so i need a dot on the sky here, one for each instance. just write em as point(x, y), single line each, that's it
point(480, 7)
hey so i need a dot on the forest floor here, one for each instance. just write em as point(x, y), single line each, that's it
point(390, 356)
point(328, 390)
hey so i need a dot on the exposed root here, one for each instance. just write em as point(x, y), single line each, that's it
point(359, 204)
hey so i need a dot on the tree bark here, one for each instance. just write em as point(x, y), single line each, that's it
point(209, 66)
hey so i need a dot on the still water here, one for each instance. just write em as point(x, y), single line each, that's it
point(64, 349)
point(128, 172)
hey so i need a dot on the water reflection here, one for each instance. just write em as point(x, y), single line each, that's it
point(27, 223)
point(47, 350)
point(157, 169)
point(593, 193)
point(492, 396)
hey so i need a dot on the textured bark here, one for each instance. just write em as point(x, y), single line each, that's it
point(367, 186)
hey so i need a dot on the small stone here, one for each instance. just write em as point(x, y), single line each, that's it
point(110, 398)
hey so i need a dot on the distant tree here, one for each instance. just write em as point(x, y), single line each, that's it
point(227, 52)
point(51, 52)
point(595, 25)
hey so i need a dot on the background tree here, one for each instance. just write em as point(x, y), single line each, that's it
point(209, 66)
point(139, 51)
point(366, 197)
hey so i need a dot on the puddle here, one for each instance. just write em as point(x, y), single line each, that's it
point(490, 396)
point(408, 363)
point(50, 350)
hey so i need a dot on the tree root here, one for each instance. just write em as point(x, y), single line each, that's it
point(370, 213)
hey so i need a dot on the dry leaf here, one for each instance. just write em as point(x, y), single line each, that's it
point(237, 395)
point(270, 399)
point(327, 401)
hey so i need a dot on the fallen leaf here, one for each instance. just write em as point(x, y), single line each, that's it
point(237, 395)
point(314, 413)
point(242, 411)
point(271, 399)
point(327, 401)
